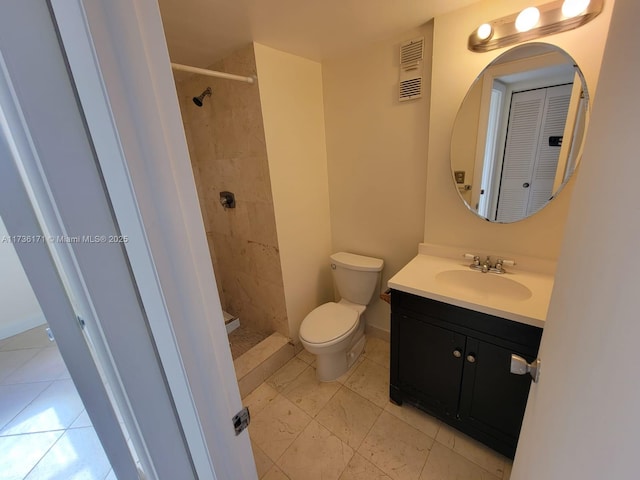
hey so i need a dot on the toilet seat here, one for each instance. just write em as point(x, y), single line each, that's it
point(328, 324)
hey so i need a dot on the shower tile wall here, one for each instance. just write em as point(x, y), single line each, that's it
point(227, 147)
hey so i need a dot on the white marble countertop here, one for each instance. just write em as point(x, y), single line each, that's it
point(419, 277)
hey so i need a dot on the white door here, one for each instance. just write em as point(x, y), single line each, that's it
point(52, 193)
point(529, 164)
point(57, 303)
point(582, 418)
point(61, 308)
point(101, 160)
point(556, 108)
point(118, 58)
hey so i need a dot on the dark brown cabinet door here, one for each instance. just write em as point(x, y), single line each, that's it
point(492, 398)
point(430, 363)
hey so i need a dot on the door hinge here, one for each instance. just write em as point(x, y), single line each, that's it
point(241, 420)
point(81, 321)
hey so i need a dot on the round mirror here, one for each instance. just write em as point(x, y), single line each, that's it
point(518, 134)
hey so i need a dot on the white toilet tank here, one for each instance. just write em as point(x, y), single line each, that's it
point(356, 276)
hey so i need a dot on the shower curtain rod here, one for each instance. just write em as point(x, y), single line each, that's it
point(212, 73)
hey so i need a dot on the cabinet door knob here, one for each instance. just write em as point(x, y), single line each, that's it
point(457, 353)
point(471, 358)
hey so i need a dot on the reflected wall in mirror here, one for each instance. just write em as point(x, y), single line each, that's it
point(518, 135)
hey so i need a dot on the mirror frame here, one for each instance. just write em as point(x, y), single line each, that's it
point(571, 151)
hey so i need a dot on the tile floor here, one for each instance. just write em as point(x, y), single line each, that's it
point(348, 430)
point(45, 433)
point(300, 429)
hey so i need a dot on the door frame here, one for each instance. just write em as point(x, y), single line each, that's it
point(117, 55)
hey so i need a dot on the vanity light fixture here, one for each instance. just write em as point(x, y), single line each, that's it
point(534, 22)
point(571, 8)
point(484, 31)
point(527, 19)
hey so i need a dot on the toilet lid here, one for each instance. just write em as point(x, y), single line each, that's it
point(328, 322)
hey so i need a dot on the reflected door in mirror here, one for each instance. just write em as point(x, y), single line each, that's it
point(537, 119)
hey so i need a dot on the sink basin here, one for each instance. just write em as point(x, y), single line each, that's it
point(483, 285)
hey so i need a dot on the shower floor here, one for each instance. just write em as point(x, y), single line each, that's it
point(243, 338)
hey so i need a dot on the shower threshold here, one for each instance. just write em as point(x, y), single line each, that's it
point(262, 360)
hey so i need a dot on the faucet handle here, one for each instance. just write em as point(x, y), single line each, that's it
point(475, 258)
point(500, 262)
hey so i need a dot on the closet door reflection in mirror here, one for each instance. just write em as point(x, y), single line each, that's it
point(518, 135)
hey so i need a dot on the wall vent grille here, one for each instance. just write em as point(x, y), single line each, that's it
point(411, 56)
point(410, 89)
point(412, 52)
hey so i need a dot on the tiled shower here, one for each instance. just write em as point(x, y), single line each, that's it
point(228, 153)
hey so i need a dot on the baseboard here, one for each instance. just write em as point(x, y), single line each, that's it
point(377, 332)
point(22, 325)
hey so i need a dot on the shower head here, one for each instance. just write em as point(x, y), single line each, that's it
point(198, 100)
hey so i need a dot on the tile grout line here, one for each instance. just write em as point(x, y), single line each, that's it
point(25, 407)
point(383, 410)
point(275, 462)
point(435, 438)
point(357, 450)
point(76, 418)
point(34, 433)
point(45, 453)
point(426, 459)
point(414, 428)
point(314, 417)
point(469, 459)
point(48, 383)
point(2, 380)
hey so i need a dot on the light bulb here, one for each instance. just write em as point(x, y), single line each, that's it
point(484, 31)
point(573, 8)
point(527, 19)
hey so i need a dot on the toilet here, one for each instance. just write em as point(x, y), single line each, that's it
point(334, 332)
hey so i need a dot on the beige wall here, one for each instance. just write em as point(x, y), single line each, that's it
point(293, 112)
point(228, 152)
point(454, 68)
point(377, 158)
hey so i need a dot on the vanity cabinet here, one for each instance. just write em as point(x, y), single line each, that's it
point(454, 363)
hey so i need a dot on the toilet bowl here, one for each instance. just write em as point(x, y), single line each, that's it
point(334, 331)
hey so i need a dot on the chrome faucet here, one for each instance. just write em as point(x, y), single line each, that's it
point(487, 266)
